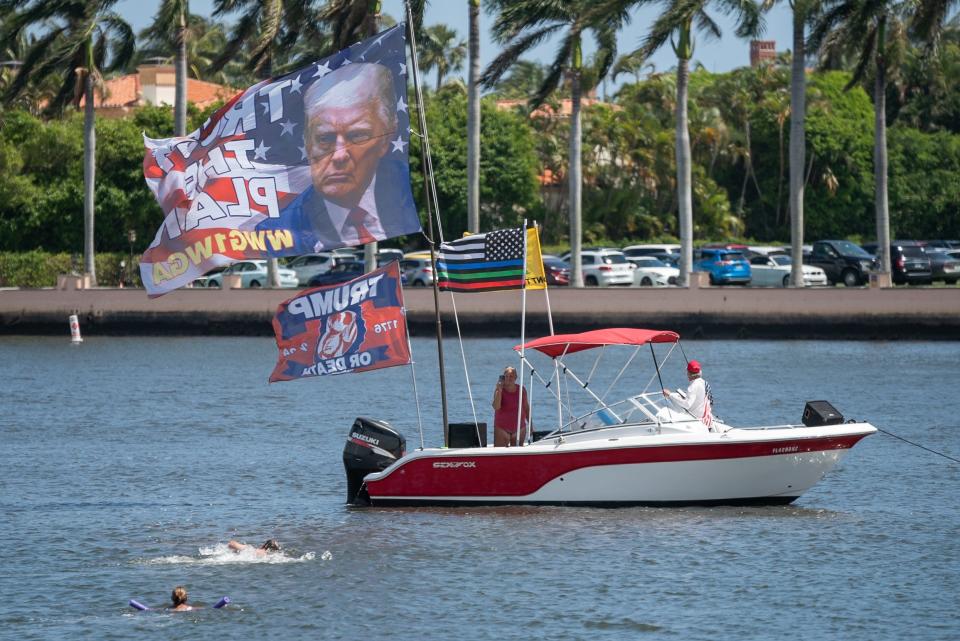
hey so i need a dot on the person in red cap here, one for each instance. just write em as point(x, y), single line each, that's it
point(698, 400)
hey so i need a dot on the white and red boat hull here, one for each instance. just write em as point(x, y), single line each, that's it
point(626, 465)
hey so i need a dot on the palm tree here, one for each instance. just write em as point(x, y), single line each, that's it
point(798, 135)
point(440, 52)
point(81, 39)
point(521, 25)
point(473, 119)
point(170, 27)
point(269, 32)
point(875, 30)
point(524, 79)
point(677, 21)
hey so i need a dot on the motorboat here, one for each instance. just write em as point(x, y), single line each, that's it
point(643, 450)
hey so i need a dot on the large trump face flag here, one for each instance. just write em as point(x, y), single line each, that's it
point(353, 327)
point(310, 161)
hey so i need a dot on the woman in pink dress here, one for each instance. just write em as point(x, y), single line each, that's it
point(506, 398)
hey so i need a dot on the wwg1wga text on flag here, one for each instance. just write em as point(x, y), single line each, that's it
point(490, 261)
point(354, 327)
point(306, 162)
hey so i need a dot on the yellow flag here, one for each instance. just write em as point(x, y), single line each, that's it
point(535, 276)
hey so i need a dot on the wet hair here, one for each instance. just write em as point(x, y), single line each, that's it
point(271, 545)
point(179, 595)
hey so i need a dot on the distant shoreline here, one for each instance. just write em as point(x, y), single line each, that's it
point(708, 312)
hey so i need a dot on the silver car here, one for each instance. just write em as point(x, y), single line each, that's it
point(418, 271)
point(309, 265)
point(253, 274)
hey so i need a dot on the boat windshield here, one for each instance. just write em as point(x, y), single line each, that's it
point(642, 409)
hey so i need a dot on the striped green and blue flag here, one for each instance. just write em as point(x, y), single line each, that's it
point(482, 262)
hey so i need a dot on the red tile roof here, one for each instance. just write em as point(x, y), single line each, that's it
point(127, 92)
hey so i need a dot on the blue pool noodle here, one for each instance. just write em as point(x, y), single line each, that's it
point(136, 605)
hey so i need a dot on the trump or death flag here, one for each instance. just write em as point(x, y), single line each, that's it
point(488, 262)
point(353, 327)
point(309, 161)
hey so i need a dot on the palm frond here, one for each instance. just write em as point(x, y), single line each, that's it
point(706, 24)
point(508, 56)
point(555, 74)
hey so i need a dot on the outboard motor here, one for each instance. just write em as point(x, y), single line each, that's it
point(372, 446)
point(817, 413)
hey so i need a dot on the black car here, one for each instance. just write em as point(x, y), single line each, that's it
point(909, 263)
point(843, 261)
point(557, 271)
point(340, 273)
point(944, 266)
point(348, 270)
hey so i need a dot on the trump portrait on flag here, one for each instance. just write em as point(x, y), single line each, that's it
point(351, 130)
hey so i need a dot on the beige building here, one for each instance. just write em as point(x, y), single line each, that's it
point(154, 85)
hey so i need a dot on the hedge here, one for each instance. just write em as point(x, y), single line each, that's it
point(40, 268)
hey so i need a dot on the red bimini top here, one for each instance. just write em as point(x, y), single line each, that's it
point(560, 344)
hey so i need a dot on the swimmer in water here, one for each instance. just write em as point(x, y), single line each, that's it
point(179, 598)
point(270, 545)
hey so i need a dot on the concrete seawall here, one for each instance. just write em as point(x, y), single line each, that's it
point(707, 312)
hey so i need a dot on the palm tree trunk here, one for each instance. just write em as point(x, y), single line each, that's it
point(798, 143)
point(746, 167)
point(89, 169)
point(880, 160)
point(684, 196)
point(180, 108)
point(576, 225)
point(473, 121)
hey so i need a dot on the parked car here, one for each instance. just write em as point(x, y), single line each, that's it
point(253, 274)
point(653, 272)
point(309, 265)
point(340, 273)
point(384, 256)
point(556, 271)
point(945, 267)
point(725, 266)
point(843, 261)
point(204, 281)
point(909, 264)
point(774, 271)
point(942, 244)
point(418, 271)
point(671, 260)
point(604, 268)
point(651, 250)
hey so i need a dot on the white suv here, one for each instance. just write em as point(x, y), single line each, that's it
point(605, 268)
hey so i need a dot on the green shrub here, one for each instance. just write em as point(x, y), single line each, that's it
point(40, 268)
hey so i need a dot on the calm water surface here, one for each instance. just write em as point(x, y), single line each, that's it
point(127, 463)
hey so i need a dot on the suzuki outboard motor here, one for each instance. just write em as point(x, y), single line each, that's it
point(372, 446)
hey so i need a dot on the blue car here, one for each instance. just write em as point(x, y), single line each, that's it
point(725, 266)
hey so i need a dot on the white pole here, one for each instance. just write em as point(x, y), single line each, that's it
point(523, 327)
point(75, 338)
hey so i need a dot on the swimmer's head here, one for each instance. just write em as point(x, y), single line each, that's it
point(271, 545)
point(179, 595)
